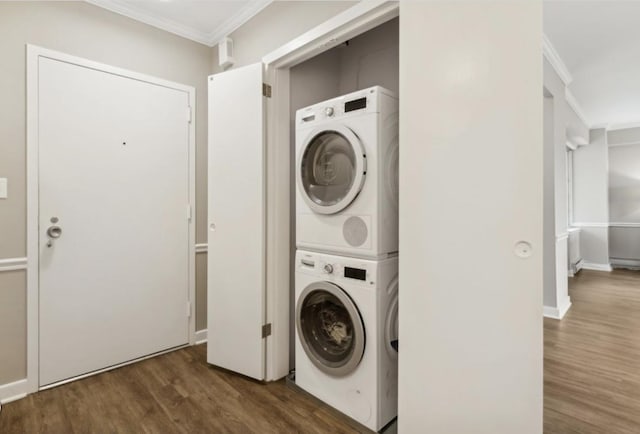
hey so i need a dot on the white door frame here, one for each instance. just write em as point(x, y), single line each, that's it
point(33, 288)
point(354, 21)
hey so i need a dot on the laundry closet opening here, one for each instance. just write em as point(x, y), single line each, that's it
point(370, 59)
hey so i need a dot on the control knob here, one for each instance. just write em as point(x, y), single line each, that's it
point(328, 268)
point(329, 111)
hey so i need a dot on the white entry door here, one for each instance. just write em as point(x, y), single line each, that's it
point(113, 219)
point(236, 255)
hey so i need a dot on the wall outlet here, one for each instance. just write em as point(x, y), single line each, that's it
point(3, 188)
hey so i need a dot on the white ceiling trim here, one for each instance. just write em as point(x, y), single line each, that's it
point(248, 12)
point(555, 60)
point(573, 103)
point(623, 126)
point(207, 38)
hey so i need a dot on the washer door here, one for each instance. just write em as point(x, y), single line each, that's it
point(330, 328)
point(332, 167)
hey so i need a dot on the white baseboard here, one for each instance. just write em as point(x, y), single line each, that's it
point(201, 336)
point(633, 264)
point(596, 267)
point(13, 391)
point(574, 268)
point(557, 312)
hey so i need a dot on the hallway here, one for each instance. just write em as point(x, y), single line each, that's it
point(592, 357)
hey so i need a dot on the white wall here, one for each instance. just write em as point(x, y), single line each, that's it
point(549, 215)
point(591, 199)
point(577, 132)
point(471, 330)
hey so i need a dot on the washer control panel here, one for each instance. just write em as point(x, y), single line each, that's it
point(337, 269)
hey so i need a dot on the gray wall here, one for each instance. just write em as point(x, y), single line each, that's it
point(84, 30)
point(626, 136)
point(371, 59)
point(471, 169)
point(13, 326)
point(624, 195)
point(591, 197)
point(624, 183)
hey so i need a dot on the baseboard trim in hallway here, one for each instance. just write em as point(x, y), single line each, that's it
point(201, 336)
point(557, 312)
point(13, 391)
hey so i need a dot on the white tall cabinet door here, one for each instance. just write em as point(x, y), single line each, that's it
point(114, 177)
point(236, 255)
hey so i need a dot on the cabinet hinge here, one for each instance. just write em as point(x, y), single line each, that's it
point(266, 90)
point(266, 330)
point(189, 114)
point(188, 309)
point(189, 213)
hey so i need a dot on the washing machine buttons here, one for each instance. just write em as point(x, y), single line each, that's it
point(329, 111)
point(328, 268)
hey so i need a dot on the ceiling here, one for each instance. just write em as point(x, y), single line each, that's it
point(204, 21)
point(599, 42)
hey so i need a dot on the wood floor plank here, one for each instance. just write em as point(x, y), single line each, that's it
point(177, 393)
point(591, 383)
point(592, 357)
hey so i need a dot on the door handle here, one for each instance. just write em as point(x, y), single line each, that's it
point(54, 232)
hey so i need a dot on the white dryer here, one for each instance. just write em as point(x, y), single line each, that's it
point(346, 334)
point(347, 174)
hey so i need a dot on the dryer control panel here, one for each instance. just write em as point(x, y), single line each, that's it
point(363, 101)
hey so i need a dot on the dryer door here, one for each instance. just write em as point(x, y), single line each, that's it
point(331, 169)
point(330, 328)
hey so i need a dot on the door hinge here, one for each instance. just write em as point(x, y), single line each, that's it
point(188, 309)
point(189, 114)
point(266, 330)
point(266, 90)
point(189, 213)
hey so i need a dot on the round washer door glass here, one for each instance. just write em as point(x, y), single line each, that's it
point(330, 328)
point(331, 170)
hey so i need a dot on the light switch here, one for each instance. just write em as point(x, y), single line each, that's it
point(3, 188)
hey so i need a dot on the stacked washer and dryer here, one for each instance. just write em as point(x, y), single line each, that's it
point(346, 266)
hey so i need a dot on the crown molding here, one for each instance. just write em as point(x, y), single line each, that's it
point(549, 51)
point(207, 38)
point(244, 15)
point(623, 126)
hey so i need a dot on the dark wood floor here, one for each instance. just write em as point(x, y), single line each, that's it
point(592, 357)
point(173, 393)
point(591, 383)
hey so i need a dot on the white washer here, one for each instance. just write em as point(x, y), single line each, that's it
point(346, 329)
point(347, 174)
